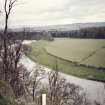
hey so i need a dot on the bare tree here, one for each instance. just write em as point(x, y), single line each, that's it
point(38, 75)
point(9, 64)
point(33, 84)
point(61, 92)
point(11, 51)
point(8, 6)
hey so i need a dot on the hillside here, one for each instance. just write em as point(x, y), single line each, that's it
point(62, 27)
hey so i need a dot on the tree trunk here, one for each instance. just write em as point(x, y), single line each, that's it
point(5, 65)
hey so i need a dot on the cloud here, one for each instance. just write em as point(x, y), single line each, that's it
point(44, 12)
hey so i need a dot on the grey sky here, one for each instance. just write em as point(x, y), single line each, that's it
point(51, 12)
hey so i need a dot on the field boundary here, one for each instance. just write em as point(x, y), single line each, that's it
point(92, 54)
point(76, 63)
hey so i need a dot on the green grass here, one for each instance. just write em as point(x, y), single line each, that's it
point(5, 101)
point(83, 51)
point(38, 53)
point(98, 59)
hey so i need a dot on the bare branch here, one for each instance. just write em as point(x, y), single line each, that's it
point(11, 5)
point(5, 6)
point(13, 2)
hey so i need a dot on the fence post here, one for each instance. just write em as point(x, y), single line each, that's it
point(43, 99)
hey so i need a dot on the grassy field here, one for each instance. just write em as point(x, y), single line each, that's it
point(39, 54)
point(97, 59)
point(89, 51)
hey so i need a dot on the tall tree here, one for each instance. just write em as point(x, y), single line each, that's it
point(10, 52)
point(8, 6)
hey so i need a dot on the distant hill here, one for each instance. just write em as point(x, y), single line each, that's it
point(78, 30)
point(65, 27)
point(68, 27)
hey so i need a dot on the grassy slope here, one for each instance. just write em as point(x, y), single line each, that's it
point(39, 54)
point(7, 96)
point(3, 101)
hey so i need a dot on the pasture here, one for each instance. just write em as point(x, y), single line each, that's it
point(69, 54)
point(90, 52)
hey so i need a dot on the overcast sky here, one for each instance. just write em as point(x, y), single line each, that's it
point(52, 12)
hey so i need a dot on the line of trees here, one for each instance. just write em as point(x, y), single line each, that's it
point(93, 32)
point(27, 35)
